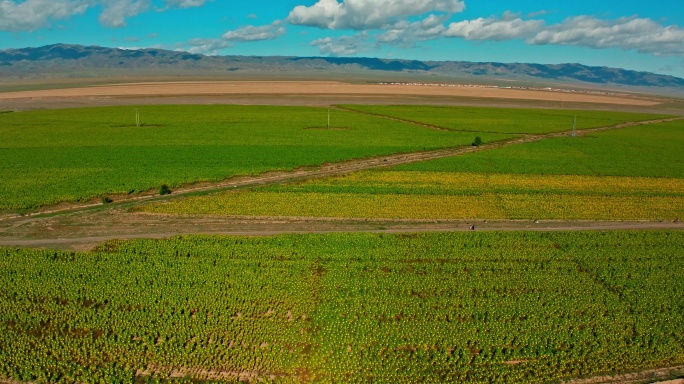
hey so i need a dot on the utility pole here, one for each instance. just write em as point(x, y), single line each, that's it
point(574, 126)
point(328, 118)
point(137, 118)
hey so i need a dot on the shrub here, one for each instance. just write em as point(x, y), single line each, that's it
point(477, 141)
point(164, 190)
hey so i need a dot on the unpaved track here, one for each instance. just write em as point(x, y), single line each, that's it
point(80, 227)
point(83, 231)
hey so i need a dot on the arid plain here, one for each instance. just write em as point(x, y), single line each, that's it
point(319, 92)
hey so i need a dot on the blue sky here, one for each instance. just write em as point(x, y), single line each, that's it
point(632, 34)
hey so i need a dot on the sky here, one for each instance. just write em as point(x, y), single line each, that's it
point(632, 34)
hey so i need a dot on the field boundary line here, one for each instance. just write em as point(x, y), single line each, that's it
point(425, 125)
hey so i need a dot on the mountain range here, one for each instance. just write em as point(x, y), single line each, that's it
point(71, 60)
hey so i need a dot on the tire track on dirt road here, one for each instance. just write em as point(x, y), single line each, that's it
point(85, 230)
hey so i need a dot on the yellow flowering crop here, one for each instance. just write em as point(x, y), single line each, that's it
point(455, 181)
point(437, 195)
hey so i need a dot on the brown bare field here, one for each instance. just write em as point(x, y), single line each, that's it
point(318, 88)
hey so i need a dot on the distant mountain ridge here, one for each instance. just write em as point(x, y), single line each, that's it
point(72, 58)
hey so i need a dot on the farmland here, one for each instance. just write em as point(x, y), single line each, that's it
point(505, 306)
point(513, 121)
point(647, 151)
point(77, 154)
point(436, 195)
point(495, 307)
point(574, 180)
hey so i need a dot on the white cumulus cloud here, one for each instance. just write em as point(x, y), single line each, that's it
point(209, 47)
point(342, 46)
point(509, 27)
point(250, 33)
point(367, 14)
point(642, 35)
point(31, 15)
point(253, 33)
point(185, 3)
point(115, 12)
point(406, 34)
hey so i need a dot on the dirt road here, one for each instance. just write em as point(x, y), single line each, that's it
point(82, 231)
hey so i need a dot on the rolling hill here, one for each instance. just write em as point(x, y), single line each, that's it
point(92, 61)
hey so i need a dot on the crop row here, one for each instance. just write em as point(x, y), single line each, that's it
point(440, 183)
point(469, 307)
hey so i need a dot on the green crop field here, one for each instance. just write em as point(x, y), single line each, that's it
point(496, 307)
point(48, 157)
point(69, 155)
point(502, 120)
point(646, 151)
point(571, 183)
point(452, 307)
